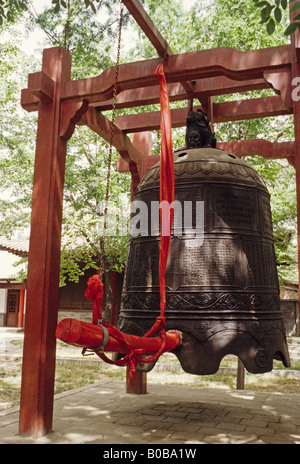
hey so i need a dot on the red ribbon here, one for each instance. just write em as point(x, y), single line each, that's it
point(167, 183)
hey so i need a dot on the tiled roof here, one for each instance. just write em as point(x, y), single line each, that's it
point(19, 247)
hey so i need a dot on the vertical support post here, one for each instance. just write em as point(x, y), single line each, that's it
point(135, 177)
point(38, 372)
point(143, 142)
point(21, 308)
point(295, 48)
point(240, 375)
point(137, 384)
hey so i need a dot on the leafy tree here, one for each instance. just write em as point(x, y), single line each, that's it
point(11, 9)
point(90, 33)
point(271, 11)
point(244, 33)
point(77, 29)
point(17, 130)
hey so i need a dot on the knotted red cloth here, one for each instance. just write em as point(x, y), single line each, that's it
point(94, 292)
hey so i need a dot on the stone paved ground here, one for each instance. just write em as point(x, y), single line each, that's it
point(103, 413)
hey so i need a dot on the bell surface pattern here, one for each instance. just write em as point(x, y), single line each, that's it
point(222, 288)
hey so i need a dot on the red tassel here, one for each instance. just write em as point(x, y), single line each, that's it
point(94, 293)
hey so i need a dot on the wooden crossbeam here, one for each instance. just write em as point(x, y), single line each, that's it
point(234, 64)
point(102, 126)
point(223, 112)
point(265, 148)
point(218, 85)
point(148, 27)
point(221, 70)
point(252, 147)
point(142, 18)
point(249, 109)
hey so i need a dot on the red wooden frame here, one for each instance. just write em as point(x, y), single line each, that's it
point(63, 103)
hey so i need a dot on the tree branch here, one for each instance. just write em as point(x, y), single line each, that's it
point(35, 16)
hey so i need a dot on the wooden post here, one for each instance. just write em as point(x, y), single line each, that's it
point(38, 374)
point(137, 384)
point(21, 308)
point(295, 58)
point(240, 375)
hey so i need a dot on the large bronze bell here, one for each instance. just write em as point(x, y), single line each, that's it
point(222, 287)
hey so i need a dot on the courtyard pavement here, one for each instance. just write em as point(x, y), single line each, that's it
point(104, 414)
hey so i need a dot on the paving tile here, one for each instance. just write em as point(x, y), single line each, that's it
point(199, 416)
point(284, 428)
point(174, 420)
point(216, 439)
point(226, 419)
point(259, 431)
point(204, 423)
point(184, 427)
point(261, 422)
point(230, 426)
point(104, 413)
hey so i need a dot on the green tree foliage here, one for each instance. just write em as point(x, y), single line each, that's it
point(88, 29)
point(92, 43)
point(17, 131)
point(273, 11)
point(10, 10)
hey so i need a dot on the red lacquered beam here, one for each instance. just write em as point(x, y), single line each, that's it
point(86, 335)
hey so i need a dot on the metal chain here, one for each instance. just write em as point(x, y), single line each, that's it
point(115, 93)
point(166, 53)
